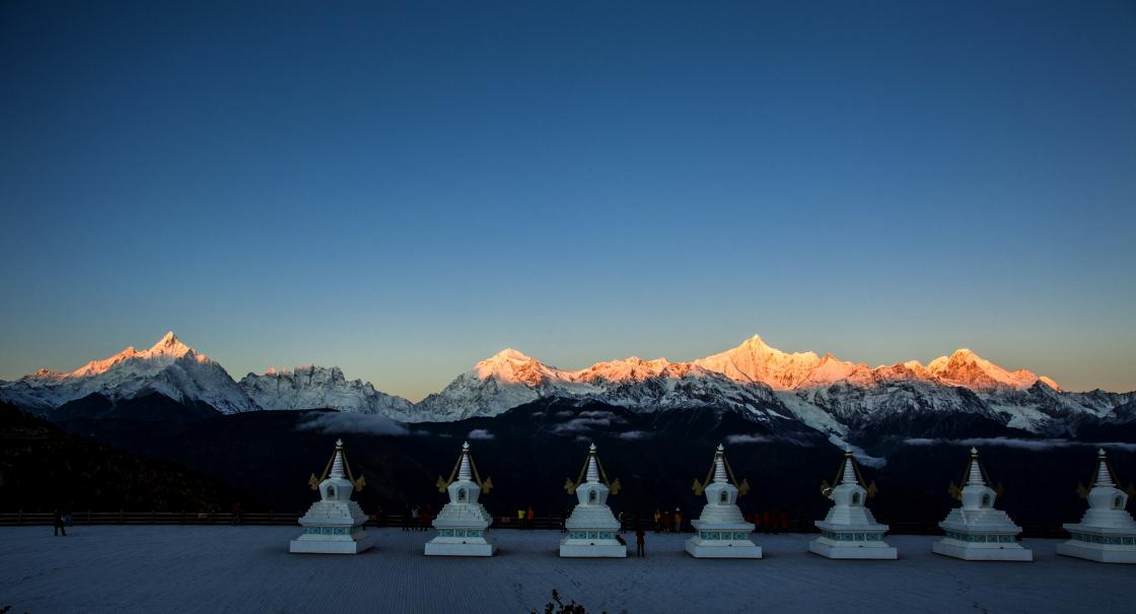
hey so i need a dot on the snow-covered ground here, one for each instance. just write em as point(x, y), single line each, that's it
point(248, 569)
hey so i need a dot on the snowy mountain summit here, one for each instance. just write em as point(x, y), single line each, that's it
point(969, 370)
point(169, 367)
point(497, 384)
point(755, 361)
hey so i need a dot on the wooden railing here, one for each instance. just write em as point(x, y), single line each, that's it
point(252, 518)
point(125, 517)
point(398, 520)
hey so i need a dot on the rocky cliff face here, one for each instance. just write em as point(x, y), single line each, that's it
point(313, 387)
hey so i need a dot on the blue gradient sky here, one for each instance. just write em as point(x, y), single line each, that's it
point(404, 190)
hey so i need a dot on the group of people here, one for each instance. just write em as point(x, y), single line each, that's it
point(667, 521)
point(525, 517)
point(60, 520)
point(769, 522)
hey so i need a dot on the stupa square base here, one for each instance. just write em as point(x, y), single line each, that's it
point(864, 551)
point(448, 547)
point(975, 552)
point(733, 549)
point(572, 548)
point(1101, 553)
point(330, 546)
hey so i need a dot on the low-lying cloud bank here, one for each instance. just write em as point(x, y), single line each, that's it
point(1024, 444)
point(740, 439)
point(583, 425)
point(480, 434)
point(346, 422)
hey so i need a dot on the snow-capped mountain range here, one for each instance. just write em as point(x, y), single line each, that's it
point(755, 361)
point(170, 368)
point(830, 395)
point(511, 378)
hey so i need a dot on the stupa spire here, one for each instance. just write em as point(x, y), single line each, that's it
point(849, 474)
point(337, 464)
point(593, 474)
point(974, 474)
point(463, 470)
point(720, 465)
point(1104, 476)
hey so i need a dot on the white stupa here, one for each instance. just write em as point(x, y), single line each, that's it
point(976, 531)
point(462, 522)
point(1106, 533)
point(334, 524)
point(592, 528)
point(721, 531)
point(849, 530)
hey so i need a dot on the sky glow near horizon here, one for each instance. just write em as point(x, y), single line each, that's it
point(404, 190)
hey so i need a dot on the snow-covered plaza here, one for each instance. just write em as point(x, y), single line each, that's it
point(249, 569)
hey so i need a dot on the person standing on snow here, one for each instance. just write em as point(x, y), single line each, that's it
point(57, 520)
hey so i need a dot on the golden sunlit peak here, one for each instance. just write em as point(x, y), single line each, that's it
point(966, 368)
point(756, 340)
point(169, 339)
point(510, 354)
point(513, 366)
point(507, 358)
point(169, 344)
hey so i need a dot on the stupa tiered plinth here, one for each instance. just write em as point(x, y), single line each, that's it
point(1106, 533)
point(462, 522)
point(721, 531)
point(976, 531)
point(592, 529)
point(849, 530)
point(334, 524)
